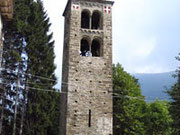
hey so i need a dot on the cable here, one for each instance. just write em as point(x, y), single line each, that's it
point(109, 95)
point(48, 90)
point(45, 90)
point(63, 83)
point(45, 78)
point(116, 96)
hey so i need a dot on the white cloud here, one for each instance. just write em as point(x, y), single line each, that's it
point(154, 68)
point(135, 54)
point(131, 46)
point(143, 47)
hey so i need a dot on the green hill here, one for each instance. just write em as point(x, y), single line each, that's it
point(154, 85)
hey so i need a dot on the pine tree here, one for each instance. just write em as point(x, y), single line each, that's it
point(28, 74)
point(14, 64)
point(174, 109)
point(40, 115)
point(129, 104)
point(11, 65)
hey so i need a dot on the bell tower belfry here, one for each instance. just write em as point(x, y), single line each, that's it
point(86, 101)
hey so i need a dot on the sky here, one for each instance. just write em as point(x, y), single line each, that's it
point(146, 34)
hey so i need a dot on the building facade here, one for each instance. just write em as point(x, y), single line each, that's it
point(86, 102)
point(6, 13)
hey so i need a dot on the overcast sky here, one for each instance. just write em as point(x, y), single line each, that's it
point(146, 34)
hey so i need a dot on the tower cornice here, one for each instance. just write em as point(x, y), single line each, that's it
point(99, 1)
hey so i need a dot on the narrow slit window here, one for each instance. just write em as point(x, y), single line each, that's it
point(84, 50)
point(89, 123)
point(96, 20)
point(85, 18)
point(95, 48)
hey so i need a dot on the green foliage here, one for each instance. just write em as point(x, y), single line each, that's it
point(128, 103)
point(11, 62)
point(158, 120)
point(29, 50)
point(132, 115)
point(174, 109)
point(40, 113)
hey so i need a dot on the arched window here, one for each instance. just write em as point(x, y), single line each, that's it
point(95, 48)
point(84, 50)
point(85, 18)
point(96, 20)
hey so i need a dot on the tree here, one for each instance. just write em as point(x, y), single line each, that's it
point(11, 63)
point(29, 66)
point(129, 104)
point(42, 100)
point(174, 109)
point(41, 105)
point(158, 120)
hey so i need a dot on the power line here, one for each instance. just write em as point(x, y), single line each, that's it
point(45, 78)
point(63, 83)
point(114, 95)
point(34, 88)
point(45, 90)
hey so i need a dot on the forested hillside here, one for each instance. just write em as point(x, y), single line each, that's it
point(154, 85)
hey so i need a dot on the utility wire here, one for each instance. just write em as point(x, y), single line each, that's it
point(63, 83)
point(80, 94)
point(45, 78)
point(115, 94)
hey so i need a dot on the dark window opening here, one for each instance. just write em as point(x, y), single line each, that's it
point(84, 50)
point(89, 123)
point(95, 48)
point(85, 20)
point(96, 20)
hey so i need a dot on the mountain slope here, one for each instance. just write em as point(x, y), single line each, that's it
point(154, 85)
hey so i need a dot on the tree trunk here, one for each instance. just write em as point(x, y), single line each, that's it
point(2, 109)
point(23, 109)
point(22, 115)
point(15, 110)
point(15, 113)
point(2, 115)
point(122, 130)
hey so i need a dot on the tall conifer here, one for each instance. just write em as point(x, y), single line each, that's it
point(40, 62)
point(174, 109)
point(29, 68)
point(11, 66)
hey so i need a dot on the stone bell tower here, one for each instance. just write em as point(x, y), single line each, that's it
point(86, 101)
